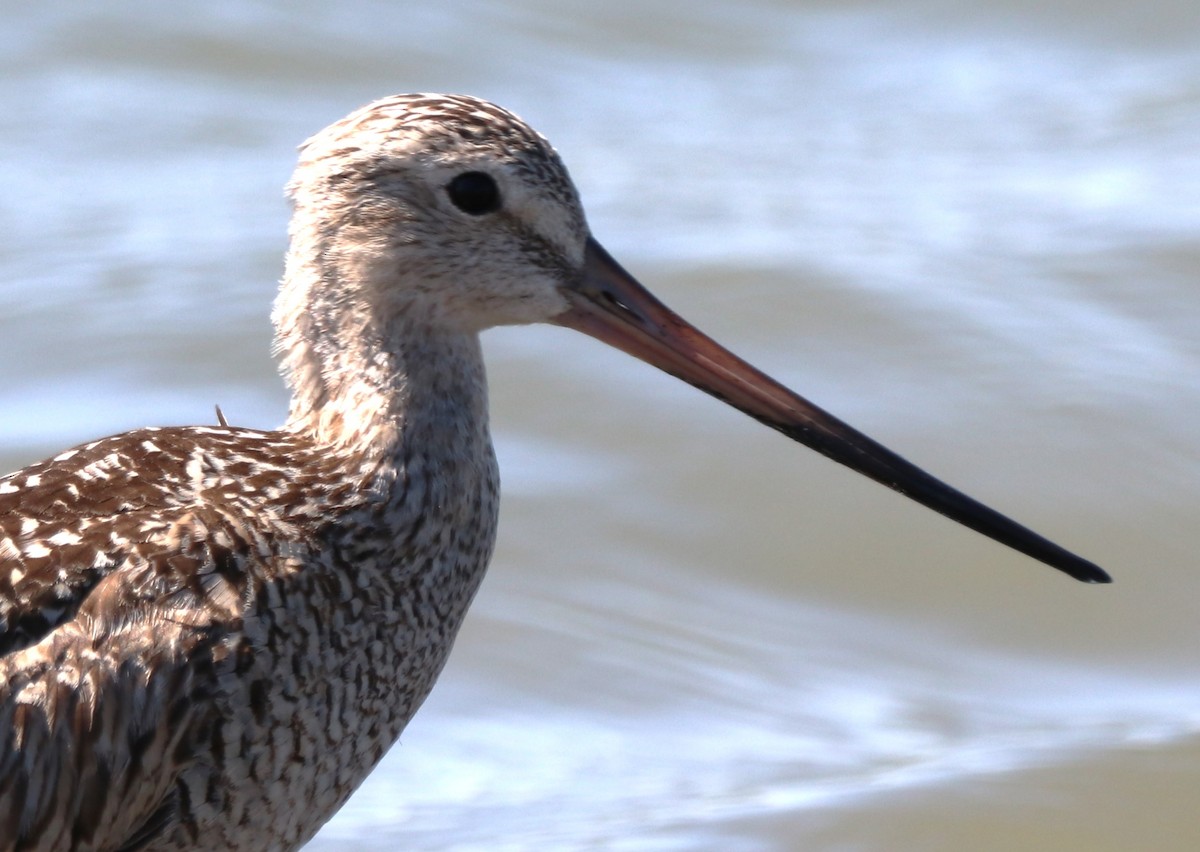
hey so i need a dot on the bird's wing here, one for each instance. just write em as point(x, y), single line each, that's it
point(68, 522)
point(121, 599)
point(64, 525)
point(98, 719)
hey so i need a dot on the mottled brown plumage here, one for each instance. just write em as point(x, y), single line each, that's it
point(210, 635)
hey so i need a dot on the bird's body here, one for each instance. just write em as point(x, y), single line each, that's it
point(255, 598)
point(211, 635)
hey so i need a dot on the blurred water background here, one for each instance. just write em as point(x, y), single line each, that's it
point(971, 230)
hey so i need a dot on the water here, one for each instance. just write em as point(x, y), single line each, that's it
point(972, 233)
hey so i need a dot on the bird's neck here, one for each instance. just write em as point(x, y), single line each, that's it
point(377, 391)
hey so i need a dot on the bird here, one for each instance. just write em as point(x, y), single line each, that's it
point(210, 635)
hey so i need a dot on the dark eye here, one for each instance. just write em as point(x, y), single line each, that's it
point(475, 193)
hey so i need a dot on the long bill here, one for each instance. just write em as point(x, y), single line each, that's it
point(610, 305)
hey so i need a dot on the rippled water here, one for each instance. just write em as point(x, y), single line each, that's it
point(974, 234)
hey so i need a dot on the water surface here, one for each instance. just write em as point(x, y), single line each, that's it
point(974, 234)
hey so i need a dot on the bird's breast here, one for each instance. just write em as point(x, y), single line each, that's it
point(342, 641)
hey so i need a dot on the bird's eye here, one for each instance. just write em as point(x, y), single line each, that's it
point(475, 193)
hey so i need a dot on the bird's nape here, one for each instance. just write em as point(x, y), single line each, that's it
point(609, 304)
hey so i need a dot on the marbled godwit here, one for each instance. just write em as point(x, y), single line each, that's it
point(211, 634)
